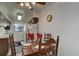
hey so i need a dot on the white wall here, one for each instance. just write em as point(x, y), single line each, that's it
point(3, 9)
point(65, 24)
point(2, 31)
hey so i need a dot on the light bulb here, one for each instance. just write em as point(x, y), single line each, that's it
point(30, 7)
point(19, 17)
point(21, 4)
point(27, 4)
point(33, 3)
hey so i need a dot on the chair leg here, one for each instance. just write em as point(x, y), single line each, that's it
point(55, 54)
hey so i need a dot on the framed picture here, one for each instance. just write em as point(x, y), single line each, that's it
point(49, 18)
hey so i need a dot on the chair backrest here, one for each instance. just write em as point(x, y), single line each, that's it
point(57, 44)
point(12, 45)
point(27, 37)
point(40, 42)
point(51, 40)
point(47, 36)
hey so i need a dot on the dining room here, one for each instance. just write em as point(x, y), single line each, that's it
point(19, 30)
point(39, 28)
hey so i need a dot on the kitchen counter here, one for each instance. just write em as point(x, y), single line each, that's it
point(3, 45)
point(3, 36)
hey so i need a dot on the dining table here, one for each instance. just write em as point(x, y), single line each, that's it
point(33, 49)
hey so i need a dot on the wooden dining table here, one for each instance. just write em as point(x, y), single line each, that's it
point(31, 50)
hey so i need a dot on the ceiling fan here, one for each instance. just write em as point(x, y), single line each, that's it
point(30, 5)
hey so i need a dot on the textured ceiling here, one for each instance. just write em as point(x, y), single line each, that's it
point(13, 8)
point(36, 7)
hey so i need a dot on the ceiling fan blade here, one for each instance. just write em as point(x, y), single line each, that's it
point(42, 3)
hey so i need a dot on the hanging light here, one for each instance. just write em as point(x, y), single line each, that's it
point(21, 4)
point(27, 4)
point(30, 7)
point(19, 16)
point(33, 3)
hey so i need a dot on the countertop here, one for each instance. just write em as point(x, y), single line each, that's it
point(4, 36)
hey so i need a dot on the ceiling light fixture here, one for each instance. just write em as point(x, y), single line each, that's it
point(21, 4)
point(27, 4)
point(19, 16)
point(30, 7)
point(33, 3)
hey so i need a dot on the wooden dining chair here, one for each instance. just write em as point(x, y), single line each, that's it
point(42, 51)
point(53, 46)
point(12, 45)
point(57, 44)
point(49, 49)
point(27, 38)
point(55, 50)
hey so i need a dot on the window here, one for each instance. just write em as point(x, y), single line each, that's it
point(18, 27)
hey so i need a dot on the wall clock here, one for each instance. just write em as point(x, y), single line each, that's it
point(49, 18)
